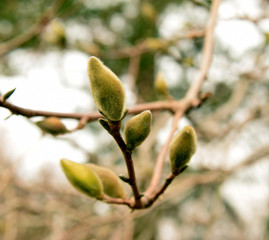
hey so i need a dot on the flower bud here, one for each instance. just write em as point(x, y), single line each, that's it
point(107, 90)
point(160, 84)
point(52, 125)
point(111, 183)
point(82, 178)
point(182, 147)
point(137, 129)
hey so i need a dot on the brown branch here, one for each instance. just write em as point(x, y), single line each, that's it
point(206, 54)
point(33, 31)
point(153, 106)
point(114, 130)
point(142, 47)
point(191, 98)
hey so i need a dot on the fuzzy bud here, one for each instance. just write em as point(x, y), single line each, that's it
point(82, 178)
point(52, 125)
point(182, 148)
point(107, 90)
point(137, 129)
point(160, 84)
point(111, 182)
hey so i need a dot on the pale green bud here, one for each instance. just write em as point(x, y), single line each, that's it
point(111, 182)
point(82, 178)
point(160, 84)
point(52, 125)
point(137, 129)
point(182, 147)
point(107, 90)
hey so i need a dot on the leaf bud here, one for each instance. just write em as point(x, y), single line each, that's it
point(182, 147)
point(82, 178)
point(107, 90)
point(137, 129)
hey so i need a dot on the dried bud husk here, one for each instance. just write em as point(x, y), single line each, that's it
point(52, 125)
point(111, 183)
point(160, 84)
point(182, 148)
point(107, 90)
point(137, 129)
point(82, 178)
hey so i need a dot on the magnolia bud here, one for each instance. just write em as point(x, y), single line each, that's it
point(111, 183)
point(82, 178)
point(137, 129)
point(52, 125)
point(182, 148)
point(107, 90)
point(160, 84)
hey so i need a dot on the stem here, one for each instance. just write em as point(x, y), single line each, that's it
point(115, 132)
point(161, 190)
point(161, 159)
point(153, 106)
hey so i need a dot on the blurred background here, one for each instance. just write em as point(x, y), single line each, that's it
point(44, 49)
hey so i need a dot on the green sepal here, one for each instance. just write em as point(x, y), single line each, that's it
point(83, 178)
point(111, 183)
point(124, 178)
point(8, 94)
point(182, 147)
point(104, 124)
point(52, 125)
point(107, 90)
point(137, 129)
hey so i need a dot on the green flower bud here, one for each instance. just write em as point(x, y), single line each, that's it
point(52, 125)
point(160, 84)
point(111, 182)
point(107, 90)
point(137, 129)
point(182, 147)
point(82, 178)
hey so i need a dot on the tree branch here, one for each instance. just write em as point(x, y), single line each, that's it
point(190, 99)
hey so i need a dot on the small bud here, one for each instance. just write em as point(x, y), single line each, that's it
point(8, 94)
point(111, 183)
point(137, 129)
point(52, 125)
point(160, 84)
point(182, 148)
point(148, 11)
point(107, 90)
point(82, 178)
point(156, 44)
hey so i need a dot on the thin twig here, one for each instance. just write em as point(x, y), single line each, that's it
point(33, 31)
point(191, 98)
point(207, 52)
point(114, 130)
point(161, 159)
point(153, 106)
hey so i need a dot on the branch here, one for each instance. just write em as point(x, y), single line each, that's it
point(33, 31)
point(190, 100)
point(153, 106)
point(114, 130)
point(207, 52)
